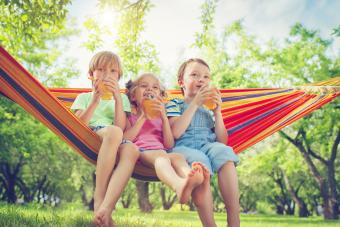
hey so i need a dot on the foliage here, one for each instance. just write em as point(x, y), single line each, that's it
point(30, 31)
point(32, 156)
point(35, 164)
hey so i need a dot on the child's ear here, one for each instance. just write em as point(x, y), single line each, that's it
point(180, 83)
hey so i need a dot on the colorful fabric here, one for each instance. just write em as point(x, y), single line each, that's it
point(250, 115)
point(104, 113)
point(150, 136)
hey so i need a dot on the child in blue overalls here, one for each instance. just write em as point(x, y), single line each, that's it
point(200, 136)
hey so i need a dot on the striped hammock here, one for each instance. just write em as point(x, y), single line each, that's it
point(250, 115)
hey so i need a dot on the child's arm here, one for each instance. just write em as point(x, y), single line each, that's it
point(132, 131)
point(168, 138)
point(86, 114)
point(220, 130)
point(119, 114)
point(181, 123)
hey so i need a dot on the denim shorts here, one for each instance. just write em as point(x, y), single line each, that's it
point(97, 128)
point(212, 155)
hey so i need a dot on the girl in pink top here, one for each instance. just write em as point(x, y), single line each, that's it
point(153, 136)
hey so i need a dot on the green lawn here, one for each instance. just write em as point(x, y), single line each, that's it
point(42, 216)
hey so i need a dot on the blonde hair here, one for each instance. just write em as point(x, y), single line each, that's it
point(131, 86)
point(105, 58)
point(184, 65)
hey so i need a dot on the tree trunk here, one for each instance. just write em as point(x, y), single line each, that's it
point(303, 211)
point(11, 196)
point(10, 178)
point(334, 202)
point(143, 196)
point(191, 205)
point(327, 188)
point(126, 202)
point(167, 202)
point(91, 203)
point(287, 205)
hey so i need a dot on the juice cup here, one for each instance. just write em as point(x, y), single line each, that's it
point(208, 103)
point(147, 103)
point(107, 95)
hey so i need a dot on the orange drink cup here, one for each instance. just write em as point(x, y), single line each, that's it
point(208, 103)
point(150, 113)
point(107, 95)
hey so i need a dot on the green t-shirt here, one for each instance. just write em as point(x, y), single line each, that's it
point(104, 113)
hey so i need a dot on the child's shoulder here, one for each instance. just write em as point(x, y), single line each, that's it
point(85, 94)
point(176, 101)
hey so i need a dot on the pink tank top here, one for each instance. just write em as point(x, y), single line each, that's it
point(150, 136)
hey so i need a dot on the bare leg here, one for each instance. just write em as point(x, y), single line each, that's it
point(203, 200)
point(166, 173)
point(179, 164)
point(111, 139)
point(128, 155)
point(228, 184)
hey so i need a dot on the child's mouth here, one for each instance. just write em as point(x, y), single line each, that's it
point(148, 95)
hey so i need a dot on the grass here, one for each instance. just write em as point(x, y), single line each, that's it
point(34, 215)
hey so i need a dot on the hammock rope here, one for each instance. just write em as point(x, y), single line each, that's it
point(250, 115)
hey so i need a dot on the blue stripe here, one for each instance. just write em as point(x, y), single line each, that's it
point(253, 120)
point(144, 178)
point(317, 100)
point(254, 96)
point(172, 106)
point(50, 118)
point(65, 99)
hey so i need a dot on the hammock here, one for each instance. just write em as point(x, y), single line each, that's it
point(250, 115)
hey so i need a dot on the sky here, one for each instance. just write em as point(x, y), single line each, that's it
point(171, 25)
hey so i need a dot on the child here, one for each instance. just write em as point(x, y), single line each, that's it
point(153, 136)
point(200, 136)
point(107, 118)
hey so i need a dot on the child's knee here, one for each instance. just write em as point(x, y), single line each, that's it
point(113, 133)
point(161, 158)
point(130, 151)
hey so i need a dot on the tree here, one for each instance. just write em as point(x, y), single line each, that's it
point(30, 31)
point(29, 158)
point(34, 163)
point(168, 197)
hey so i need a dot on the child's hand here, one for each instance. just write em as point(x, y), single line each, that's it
point(97, 91)
point(142, 115)
point(112, 85)
point(203, 94)
point(217, 100)
point(159, 106)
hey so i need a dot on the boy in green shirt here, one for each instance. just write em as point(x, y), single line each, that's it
point(108, 119)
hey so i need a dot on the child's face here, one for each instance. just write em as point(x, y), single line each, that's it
point(195, 76)
point(110, 70)
point(147, 85)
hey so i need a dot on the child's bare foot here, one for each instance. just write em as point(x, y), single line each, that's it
point(103, 218)
point(194, 178)
point(203, 188)
point(205, 170)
